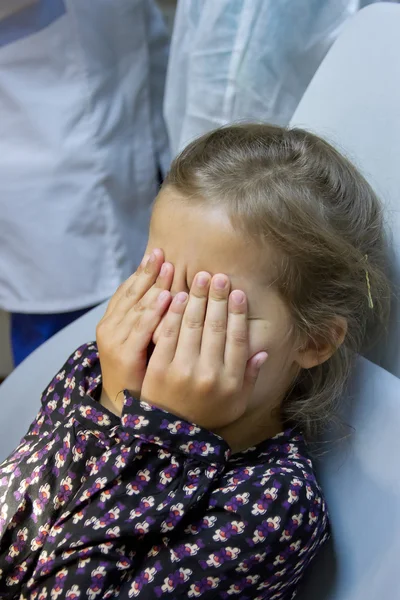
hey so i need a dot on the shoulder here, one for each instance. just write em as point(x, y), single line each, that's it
point(79, 375)
point(274, 491)
point(284, 458)
point(266, 517)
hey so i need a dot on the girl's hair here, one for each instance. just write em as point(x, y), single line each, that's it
point(294, 190)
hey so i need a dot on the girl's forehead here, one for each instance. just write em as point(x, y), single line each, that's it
point(200, 237)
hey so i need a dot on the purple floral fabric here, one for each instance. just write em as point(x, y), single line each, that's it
point(150, 506)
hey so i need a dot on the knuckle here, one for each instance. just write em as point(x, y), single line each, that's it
point(139, 307)
point(151, 299)
point(218, 326)
point(239, 337)
point(193, 322)
point(185, 374)
point(219, 295)
point(101, 329)
point(231, 387)
point(207, 382)
point(131, 290)
point(168, 331)
point(120, 288)
point(137, 324)
point(199, 293)
point(182, 376)
point(150, 268)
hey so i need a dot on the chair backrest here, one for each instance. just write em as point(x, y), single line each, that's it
point(353, 101)
point(20, 393)
point(358, 471)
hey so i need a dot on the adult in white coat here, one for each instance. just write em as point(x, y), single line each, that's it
point(245, 59)
point(82, 144)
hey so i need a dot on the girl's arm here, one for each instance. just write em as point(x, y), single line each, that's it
point(87, 493)
point(142, 506)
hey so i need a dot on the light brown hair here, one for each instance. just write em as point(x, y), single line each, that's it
point(293, 189)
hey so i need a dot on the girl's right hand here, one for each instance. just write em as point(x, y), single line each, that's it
point(200, 369)
point(124, 333)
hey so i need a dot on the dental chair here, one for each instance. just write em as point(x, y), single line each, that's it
point(354, 102)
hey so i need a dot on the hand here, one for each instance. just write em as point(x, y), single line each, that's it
point(124, 333)
point(199, 369)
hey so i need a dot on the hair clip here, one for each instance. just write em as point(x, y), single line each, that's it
point(370, 301)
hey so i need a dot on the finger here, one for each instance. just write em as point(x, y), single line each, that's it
point(122, 288)
point(214, 333)
point(140, 331)
point(145, 312)
point(138, 285)
point(164, 279)
point(142, 316)
point(252, 372)
point(237, 345)
point(193, 320)
point(164, 352)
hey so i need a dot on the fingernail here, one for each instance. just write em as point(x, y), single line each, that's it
point(260, 360)
point(202, 279)
point(180, 298)
point(219, 282)
point(163, 296)
point(237, 297)
point(144, 261)
point(164, 270)
point(150, 263)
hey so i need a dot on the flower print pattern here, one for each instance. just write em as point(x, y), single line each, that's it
point(206, 584)
point(149, 506)
point(173, 581)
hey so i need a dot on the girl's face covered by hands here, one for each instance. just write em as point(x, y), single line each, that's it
point(198, 237)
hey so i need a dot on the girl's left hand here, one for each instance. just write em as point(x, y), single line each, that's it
point(124, 333)
point(199, 369)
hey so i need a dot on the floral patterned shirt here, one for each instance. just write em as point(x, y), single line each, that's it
point(150, 506)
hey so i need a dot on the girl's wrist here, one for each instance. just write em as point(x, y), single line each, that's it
point(113, 407)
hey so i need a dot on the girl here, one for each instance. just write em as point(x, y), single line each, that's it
point(171, 459)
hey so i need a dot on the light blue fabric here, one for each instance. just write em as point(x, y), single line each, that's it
point(82, 141)
point(245, 59)
point(30, 20)
point(355, 105)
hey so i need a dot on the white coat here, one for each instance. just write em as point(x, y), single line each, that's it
point(237, 60)
point(81, 141)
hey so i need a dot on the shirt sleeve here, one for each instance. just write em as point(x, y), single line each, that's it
point(86, 493)
point(146, 505)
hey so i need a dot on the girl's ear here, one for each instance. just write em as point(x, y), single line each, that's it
point(319, 349)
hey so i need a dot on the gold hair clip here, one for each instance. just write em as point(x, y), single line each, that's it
point(370, 301)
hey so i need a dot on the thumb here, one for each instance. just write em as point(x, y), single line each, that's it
point(252, 371)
